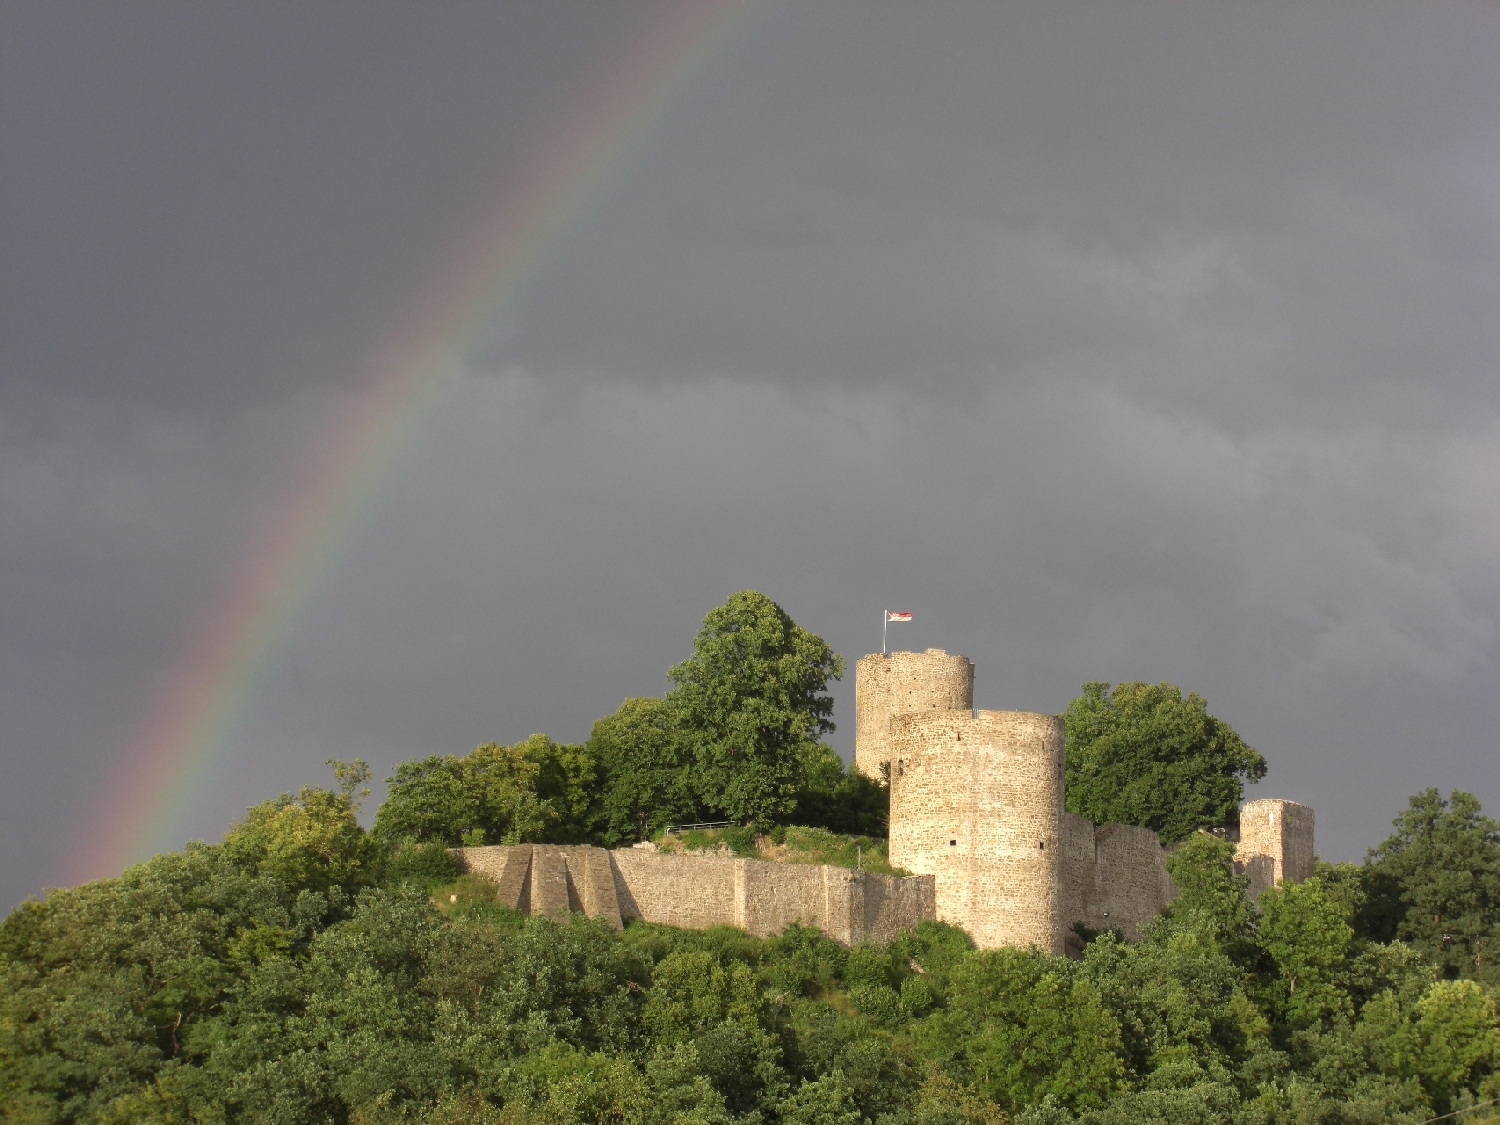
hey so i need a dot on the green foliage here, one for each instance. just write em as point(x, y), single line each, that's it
point(736, 738)
point(1179, 999)
point(750, 704)
point(1435, 882)
point(426, 865)
point(643, 762)
point(1210, 896)
point(1143, 754)
point(1307, 934)
point(304, 971)
point(840, 798)
point(1021, 1027)
point(205, 987)
point(311, 840)
point(537, 791)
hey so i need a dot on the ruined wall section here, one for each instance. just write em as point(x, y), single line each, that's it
point(1078, 901)
point(691, 891)
point(1130, 878)
point(977, 802)
point(899, 683)
point(697, 891)
point(1114, 876)
point(1282, 830)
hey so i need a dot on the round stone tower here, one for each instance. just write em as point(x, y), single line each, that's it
point(977, 802)
point(899, 683)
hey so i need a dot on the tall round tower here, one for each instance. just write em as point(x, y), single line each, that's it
point(977, 802)
point(898, 683)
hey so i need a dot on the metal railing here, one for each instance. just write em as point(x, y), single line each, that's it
point(707, 824)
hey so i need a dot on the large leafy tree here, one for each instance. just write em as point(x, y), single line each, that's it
point(310, 840)
point(1146, 754)
point(750, 701)
point(1435, 882)
point(1026, 1028)
point(537, 791)
point(643, 763)
point(1306, 933)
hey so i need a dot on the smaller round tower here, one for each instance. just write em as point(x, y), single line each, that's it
point(977, 802)
point(899, 683)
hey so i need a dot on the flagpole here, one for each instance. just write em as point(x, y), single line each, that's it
point(885, 620)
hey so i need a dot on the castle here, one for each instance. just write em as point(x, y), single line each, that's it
point(976, 814)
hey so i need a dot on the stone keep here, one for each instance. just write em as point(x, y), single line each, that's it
point(977, 802)
point(900, 683)
point(1281, 830)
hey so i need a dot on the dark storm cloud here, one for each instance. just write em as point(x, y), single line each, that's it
point(224, 201)
point(1155, 342)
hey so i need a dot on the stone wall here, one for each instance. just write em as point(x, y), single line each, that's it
point(976, 802)
point(1114, 876)
point(1282, 830)
point(698, 891)
point(898, 683)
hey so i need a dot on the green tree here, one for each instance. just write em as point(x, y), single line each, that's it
point(537, 791)
point(1447, 1039)
point(644, 769)
point(1145, 754)
point(427, 799)
point(1179, 999)
point(750, 702)
point(1022, 1026)
point(1307, 934)
point(828, 1100)
point(1435, 882)
point(312, 840)
point(1210, 896)
point(841, 799)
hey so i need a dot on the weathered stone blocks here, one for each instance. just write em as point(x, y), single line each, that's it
point(1282, 830)
point(977, 802)
point(899, 683)
point(698, 891)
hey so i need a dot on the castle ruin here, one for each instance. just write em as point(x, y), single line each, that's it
point(976, 815)
point(977, 803)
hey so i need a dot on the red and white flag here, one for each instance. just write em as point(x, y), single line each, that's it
point(898, 615)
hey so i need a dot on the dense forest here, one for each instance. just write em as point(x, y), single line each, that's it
point(308, 970)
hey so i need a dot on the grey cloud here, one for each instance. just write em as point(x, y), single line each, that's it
point(1154, 342)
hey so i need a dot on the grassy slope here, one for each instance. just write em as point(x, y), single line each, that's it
point(788, 845)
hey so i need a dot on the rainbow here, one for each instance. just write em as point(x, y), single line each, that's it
point(197, 721)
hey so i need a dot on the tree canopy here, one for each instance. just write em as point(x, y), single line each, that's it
point(1435, 882)
point(750, 704)
point(1146, 754)
point(736, 737)
point(646, 768)
point(228, 983)
point(537, 791)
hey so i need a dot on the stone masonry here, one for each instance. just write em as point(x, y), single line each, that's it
point(1282, 831)
point(1114, 876)
point(698, 891)
point(976, 802)
point(900, 683)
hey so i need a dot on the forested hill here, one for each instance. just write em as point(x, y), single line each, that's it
point(298, 973)
point(308, 970)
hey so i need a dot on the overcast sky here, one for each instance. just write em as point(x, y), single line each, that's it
point(1115, 341)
